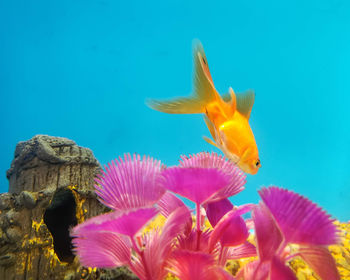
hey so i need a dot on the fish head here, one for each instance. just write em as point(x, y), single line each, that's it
point(250, 167)
point(237, 142)
point(250, 162)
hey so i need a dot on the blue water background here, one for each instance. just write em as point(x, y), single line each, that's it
point(82, 70)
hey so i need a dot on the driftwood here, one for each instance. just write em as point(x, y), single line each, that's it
point(51, 190)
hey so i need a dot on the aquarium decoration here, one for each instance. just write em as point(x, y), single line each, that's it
point(198, 244)
point(50, 191)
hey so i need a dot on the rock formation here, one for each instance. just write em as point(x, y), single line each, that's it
point(51, 190)
point(45, 162)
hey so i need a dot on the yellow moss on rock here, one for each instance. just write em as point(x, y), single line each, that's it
point(157, 222)
point(341, 254)
point(80, 211)
point(171, 277)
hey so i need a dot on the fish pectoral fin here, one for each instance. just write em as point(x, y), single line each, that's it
point(245, 102)
point(210, 141)
point(229, 153)
point(245, 155)
point(234, 158)
point(183, 105)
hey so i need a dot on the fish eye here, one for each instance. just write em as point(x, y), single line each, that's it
point(257, 163)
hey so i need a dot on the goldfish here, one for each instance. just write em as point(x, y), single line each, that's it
point(226, 116)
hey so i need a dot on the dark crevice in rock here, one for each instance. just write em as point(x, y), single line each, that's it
point(59, 217)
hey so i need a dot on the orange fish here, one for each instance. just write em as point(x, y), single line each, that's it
point(225, 116)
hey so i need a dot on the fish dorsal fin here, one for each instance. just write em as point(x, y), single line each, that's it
point(233, 99)
point(245, 102)
point(226, 97)
point(230, 100)
point(203, 83)
point(227, 108)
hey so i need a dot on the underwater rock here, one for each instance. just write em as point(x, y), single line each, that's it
point(14, 234)
point(118, 274)
point(5, 201)
point(45, 161)
point(27, 199)
point(51, 189)
point(12, 217)
point(6, 260)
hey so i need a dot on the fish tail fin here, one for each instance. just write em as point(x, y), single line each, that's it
point(204, 91)
point(203, 83)
point(181, 105)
